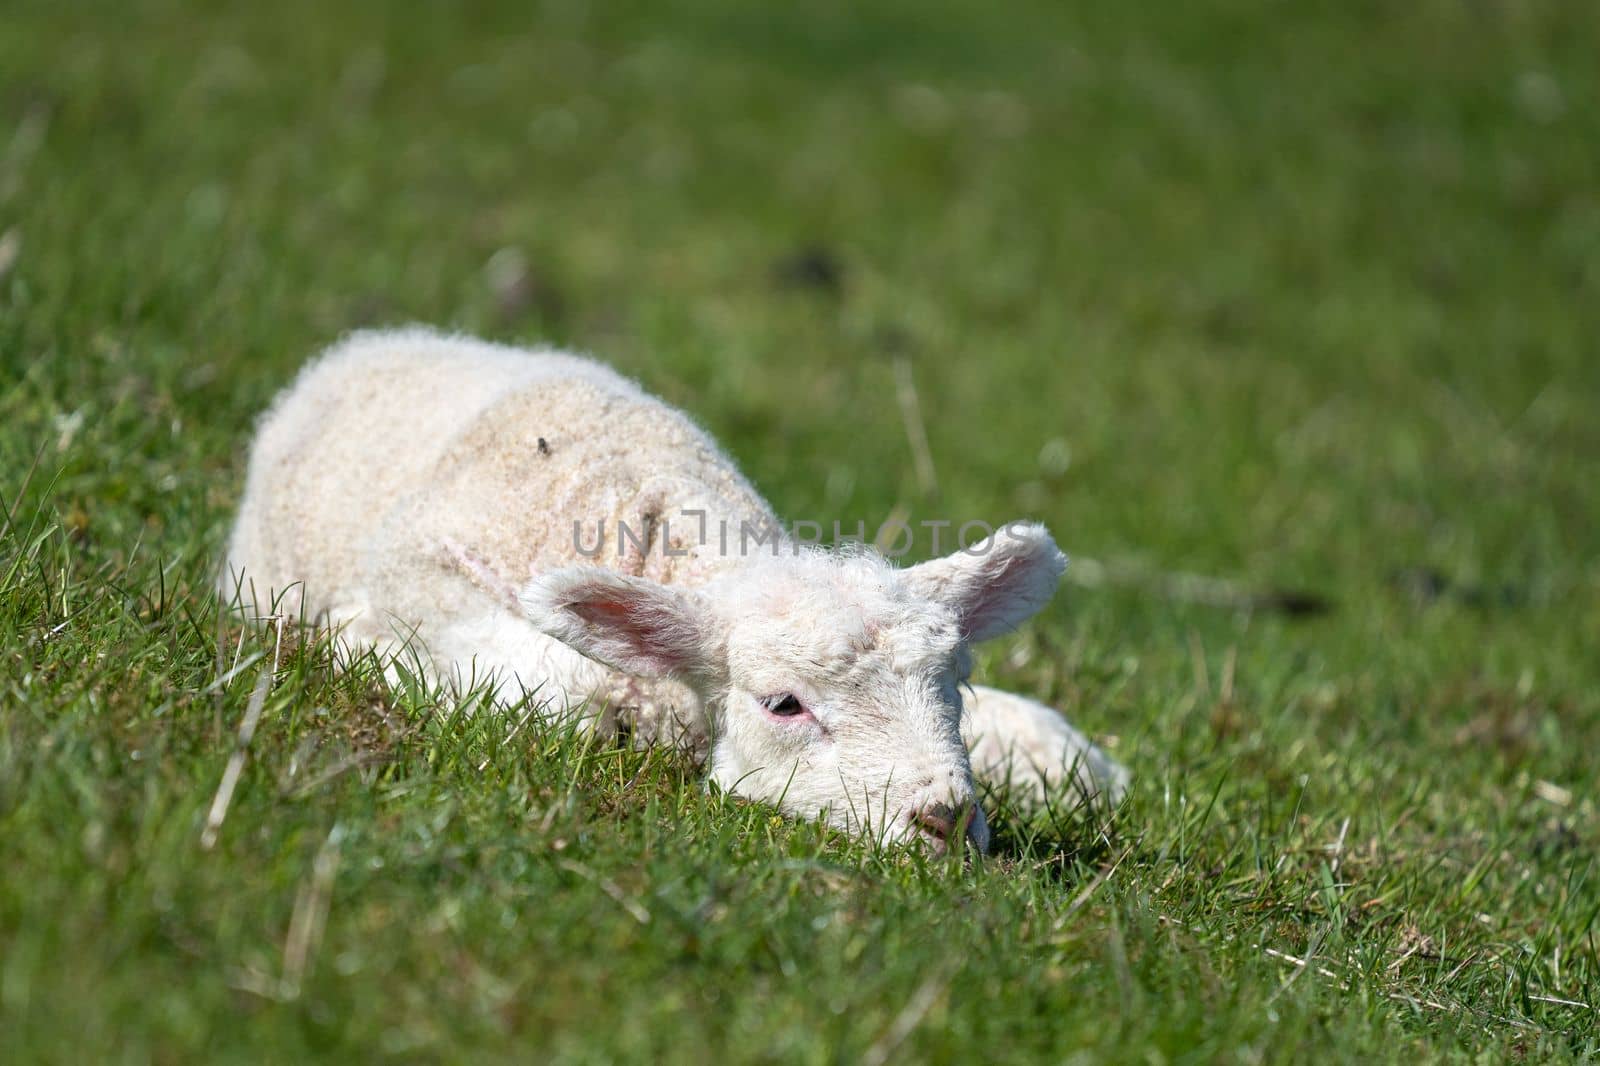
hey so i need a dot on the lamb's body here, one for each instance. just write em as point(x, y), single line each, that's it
point(372, 478)
point(409, 484)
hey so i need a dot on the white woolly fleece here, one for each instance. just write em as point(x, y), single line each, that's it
point(445, 494)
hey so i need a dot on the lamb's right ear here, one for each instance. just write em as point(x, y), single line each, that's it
point(633, 624)
point(997, 584)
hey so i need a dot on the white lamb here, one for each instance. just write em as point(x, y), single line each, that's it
point(447, 496)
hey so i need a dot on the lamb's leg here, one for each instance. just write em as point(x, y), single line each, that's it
point(1019, 741)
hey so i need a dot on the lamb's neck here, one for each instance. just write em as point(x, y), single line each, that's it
point(734, 543)
point(705, 530)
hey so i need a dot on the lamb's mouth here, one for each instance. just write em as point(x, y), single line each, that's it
point(967, 825)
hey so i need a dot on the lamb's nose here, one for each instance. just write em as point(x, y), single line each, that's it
point(944, 823)
point(937, 819)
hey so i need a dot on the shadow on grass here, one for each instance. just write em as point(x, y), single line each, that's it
point(1067, 835)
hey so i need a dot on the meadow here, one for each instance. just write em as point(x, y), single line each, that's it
point(1286, 320)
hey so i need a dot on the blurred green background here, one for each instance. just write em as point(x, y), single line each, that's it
point(1303, 298)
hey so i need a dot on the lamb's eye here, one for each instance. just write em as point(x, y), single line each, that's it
point(785, 705)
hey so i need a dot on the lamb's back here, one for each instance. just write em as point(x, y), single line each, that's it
point(394, 450)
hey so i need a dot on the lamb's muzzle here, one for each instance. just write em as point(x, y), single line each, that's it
point(939, 822)
point(424, 493)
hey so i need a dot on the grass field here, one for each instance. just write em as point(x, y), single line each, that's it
point(1305, 299)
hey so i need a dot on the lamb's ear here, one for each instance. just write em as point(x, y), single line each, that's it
point(997, 584)
point(637, 626)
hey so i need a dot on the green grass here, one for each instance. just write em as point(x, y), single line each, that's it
point(1301, 297)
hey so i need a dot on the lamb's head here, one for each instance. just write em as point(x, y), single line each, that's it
point(833, 679)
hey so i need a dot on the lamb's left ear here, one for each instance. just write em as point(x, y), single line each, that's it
point(997, 584)
point(638, 626)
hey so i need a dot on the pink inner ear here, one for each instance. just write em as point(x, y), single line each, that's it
point(648, 635)
point(614, 613)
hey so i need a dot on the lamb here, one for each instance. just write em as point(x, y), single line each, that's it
point(534, 520)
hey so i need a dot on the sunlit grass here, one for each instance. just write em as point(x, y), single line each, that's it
point(1304, 304)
